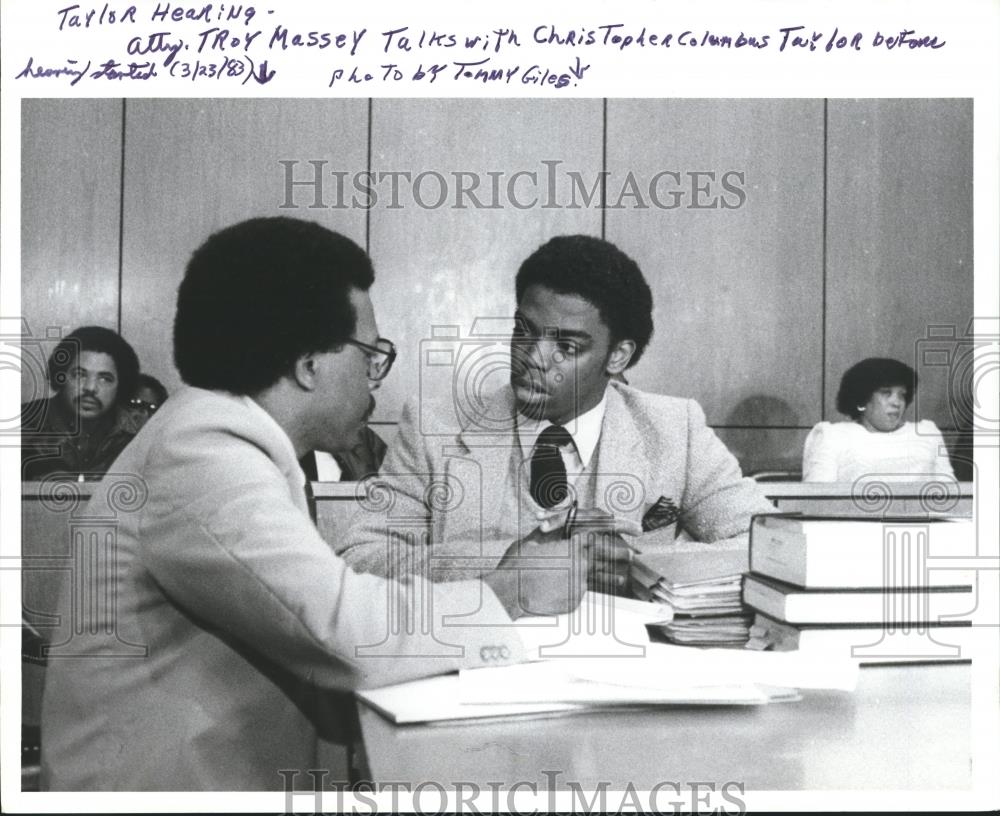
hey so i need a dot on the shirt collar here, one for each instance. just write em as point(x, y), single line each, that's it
point(585, 430)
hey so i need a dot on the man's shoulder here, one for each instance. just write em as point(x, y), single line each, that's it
point(37, 415)
point(41, 402)
point(208, 437)
point(657, 409)
point(449, 415)
point(195, 411)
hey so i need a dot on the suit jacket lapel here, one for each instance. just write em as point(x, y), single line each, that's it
point(486, 466)
point(623, 472)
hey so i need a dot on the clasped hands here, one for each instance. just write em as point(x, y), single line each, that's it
point(569, 551)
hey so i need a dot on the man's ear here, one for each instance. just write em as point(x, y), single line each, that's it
point(619, 357)
point(304, 371)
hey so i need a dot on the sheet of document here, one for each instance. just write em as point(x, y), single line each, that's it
point(667, 665)
point(567, 681)
point(600, 656)
point(436, 699)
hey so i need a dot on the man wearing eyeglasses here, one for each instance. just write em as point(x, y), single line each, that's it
point(364, 454)
point(562, 433)
point(233, 612)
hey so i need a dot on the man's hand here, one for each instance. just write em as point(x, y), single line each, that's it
point(546, 574)
point(541, 574)
point(611, 560)
point(610, 554)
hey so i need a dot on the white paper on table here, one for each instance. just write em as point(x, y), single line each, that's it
point(555, 681)
point(436, 699)
point(671, 665)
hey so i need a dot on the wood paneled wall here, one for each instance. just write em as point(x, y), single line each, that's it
point(899, 235)
point(854, 234)
point(445, 266)
point(70, 206)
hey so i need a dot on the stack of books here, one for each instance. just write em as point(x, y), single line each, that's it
point(703, 588)
point(863, 587)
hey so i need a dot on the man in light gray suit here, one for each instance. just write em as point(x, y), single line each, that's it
point(471, 472)
point(220, 614)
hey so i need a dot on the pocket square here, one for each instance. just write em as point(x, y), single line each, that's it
point(663, 513)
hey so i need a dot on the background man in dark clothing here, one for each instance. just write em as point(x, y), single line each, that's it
point(83, 427)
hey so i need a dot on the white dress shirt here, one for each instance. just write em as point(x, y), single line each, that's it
point(585, 431)
point(327, 469)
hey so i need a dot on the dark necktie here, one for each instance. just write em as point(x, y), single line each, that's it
point(548, 471)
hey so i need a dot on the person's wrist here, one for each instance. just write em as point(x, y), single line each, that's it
point(504, 585)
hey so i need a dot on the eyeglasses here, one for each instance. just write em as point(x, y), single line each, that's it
point(141, 404)
point(380, 357)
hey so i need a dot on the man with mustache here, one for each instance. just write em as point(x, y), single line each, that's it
point(360, 457)
point(82, 428)
point(566, 430)
point(236, 615)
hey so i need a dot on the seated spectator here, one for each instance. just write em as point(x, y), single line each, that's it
point(875, 394)
point(81, 429)
point(148, 396)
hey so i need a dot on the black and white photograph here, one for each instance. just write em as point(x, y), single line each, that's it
point(526, 452)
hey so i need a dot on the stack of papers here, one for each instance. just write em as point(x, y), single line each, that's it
point(567, 683)
point(704, 589)
point(667, 675)
point(723, 630)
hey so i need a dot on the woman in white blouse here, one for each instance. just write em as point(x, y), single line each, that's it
point(875, 394)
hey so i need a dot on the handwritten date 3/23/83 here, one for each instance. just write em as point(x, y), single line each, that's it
point(241, 69)
point(238, 68)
